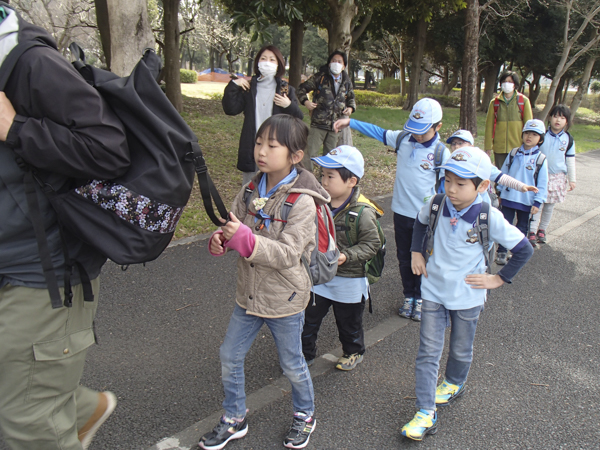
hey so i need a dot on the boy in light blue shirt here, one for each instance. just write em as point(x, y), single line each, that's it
point(523, 165)
point(414, 185)
point(455, 282)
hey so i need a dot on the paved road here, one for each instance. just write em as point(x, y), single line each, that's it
point(533, 383)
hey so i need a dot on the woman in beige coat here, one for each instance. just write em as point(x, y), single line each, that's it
point(273, 285)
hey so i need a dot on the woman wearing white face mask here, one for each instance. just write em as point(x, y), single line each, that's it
point(333, 99)
point(265, 95)
point(506, 116)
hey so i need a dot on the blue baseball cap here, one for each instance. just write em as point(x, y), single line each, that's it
point(424, 114)
point(535, 125)
point(469, 162)
point(343, 156)
point(461, 134)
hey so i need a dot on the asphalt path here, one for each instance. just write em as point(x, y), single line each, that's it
point(533, 382)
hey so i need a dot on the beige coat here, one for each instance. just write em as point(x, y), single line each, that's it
point(272, 281)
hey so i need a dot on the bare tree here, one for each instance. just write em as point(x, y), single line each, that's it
point(584, 83)
point(577, 41)
point(66, 21)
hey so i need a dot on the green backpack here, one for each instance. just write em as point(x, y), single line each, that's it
point(374, 266)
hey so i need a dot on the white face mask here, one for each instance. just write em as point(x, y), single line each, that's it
point(336, 68)
point(508, 88)
point(267, 69)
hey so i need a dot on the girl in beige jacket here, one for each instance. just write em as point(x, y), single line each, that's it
point(273, 285)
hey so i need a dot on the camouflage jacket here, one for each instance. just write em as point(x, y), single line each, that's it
point(329, 105)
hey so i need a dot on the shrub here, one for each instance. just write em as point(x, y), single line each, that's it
point(216, 96)
point(370, 98)
point(595, 87)
point(446, 101)
point(188, 76)
point(389, 86)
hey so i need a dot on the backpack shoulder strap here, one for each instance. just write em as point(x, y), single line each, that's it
point(248, 193)
point(437, 162)
point(435, 210)
point(511, 157)
point(483, 232)
point(400, 138)
point(570, 144)
point(11, 59)
point(521, 104)
point(538, 165)
point(288, 204)
point(496, 107)
point(352, 219)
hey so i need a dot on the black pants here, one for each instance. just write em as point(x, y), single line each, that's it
point(348, 317)
point(522, 222)
point(403, 231)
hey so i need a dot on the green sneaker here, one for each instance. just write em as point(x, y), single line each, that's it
point(421, 425)
point(349, 362)
point(446, 393)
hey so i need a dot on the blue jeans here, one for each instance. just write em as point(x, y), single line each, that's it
point(286, 331)
point(434, 320)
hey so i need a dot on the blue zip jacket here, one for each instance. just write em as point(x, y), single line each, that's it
point(523, 169)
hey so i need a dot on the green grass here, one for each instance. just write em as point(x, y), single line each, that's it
point(219, 134)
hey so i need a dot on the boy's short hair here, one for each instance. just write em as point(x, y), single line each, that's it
point(343, 156)
point(426, 113)
point(509, 73)
point(561, 110)
point(345, 174)
point(476, 181)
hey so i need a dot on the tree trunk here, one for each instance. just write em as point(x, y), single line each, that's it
point(445, 79)
point(402, 73)
point(415, 69)
point(490, 75)
point(125, 32)
point(171, 69)
point(468, 93)
point(296, 40)
point(534, 89)
point(250, 64)
point(584, 84)
point(558, 92)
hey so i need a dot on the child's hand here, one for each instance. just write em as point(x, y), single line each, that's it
point(417, 264)
point(484, 281)
point(216, 244)
point(230, 227)
point(534, 209)
point(342, 259)
point(571, 186)
point(340, 124)
point(528, 188)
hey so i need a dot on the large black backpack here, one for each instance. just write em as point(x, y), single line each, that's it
point(130, 219)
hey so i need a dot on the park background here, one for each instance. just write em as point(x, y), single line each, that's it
point(399, 51)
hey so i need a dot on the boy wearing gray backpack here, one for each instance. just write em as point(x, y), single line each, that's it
point(343, 167)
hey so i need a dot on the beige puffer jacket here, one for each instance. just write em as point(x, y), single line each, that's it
point(273, 282)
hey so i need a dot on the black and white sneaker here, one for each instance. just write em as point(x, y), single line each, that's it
point(300, 432)
point(226, 430)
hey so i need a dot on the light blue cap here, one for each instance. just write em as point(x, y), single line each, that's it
point(424, 114)
point(465, 135)
point(535, 125)
point(469, 162)
point(343, 156)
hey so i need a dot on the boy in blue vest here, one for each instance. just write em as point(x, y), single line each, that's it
point(455, 282)
point(416, 150)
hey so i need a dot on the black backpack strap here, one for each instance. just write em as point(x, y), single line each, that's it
point(207, 187)
point(438, 156)
point(483, 232)
point(538, 165)
point(399, 139)
point(37, 221)
point(435, 211)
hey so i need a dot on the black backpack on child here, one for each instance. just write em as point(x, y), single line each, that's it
point(130, 219)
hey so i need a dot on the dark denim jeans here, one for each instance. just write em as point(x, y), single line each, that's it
point(522, 222)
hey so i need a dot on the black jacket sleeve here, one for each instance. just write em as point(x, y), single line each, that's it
point(294, 108)
point(234, 99)
point(62, 123)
